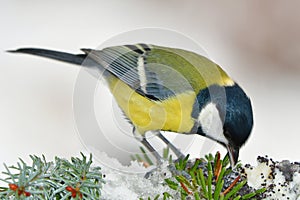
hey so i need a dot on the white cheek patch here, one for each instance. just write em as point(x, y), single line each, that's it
point(211, 123)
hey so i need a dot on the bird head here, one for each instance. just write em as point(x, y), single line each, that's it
point(225, 116)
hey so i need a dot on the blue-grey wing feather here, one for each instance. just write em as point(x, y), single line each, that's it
point(122, 61)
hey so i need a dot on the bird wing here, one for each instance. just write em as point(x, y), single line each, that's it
point(158, 72)
point(129, 64)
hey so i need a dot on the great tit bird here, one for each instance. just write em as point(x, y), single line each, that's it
point(168, 89)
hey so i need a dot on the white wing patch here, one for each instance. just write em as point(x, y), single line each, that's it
point(142, 73)
point(211, 123)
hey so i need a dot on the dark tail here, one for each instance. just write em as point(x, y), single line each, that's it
point(78, 59)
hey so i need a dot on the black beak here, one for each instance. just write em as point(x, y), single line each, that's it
point(233, 153)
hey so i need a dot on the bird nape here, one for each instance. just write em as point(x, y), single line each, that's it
point(168, 89)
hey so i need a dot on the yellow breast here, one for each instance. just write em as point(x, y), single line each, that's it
point(173, 114)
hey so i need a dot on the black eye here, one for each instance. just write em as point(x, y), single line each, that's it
point(227, 134)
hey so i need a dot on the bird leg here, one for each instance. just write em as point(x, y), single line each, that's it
point(143, 140)
point(177, 152)
point(158, 158)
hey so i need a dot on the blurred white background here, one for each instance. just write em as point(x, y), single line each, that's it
point(256, 42)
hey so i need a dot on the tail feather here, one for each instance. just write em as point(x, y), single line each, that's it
point(77, 59)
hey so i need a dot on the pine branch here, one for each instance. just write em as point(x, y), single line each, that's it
point(60, 179)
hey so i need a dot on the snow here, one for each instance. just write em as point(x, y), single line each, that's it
point(128, 182)
point(282, 179)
